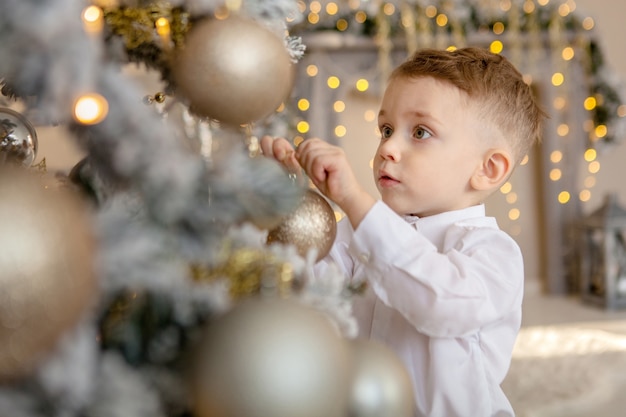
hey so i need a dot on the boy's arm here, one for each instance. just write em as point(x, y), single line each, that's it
point(475, 281)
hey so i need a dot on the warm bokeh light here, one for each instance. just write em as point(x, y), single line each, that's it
point(559, 103)
point(430, 11)
point(563, 197)
point(298, 140)
point(564, 9)
point(511, 198)
point(601, 131)
point(557, 79)
point(313, 18)
point(90, 109)
point(369, 115)
point(555, 174)
point(524, 160)
point(360, 16)
point(590, 181)
point(529, 6)
point(315, 6)
point(584, 195)
point(333, 82)
point(514, 214)
point(303, 104)
point(496, 47)
point(505, 5)
point(332, 8)
point(590, 155)
point(389, 9)
point(93, 19)
point(506, 188)
point(339, 106)
point(342, 25)
point(568, 53)
point(311, 70)
point(362, 84)
point(441, 20)
point(302, 126)
point(340, 131)
point(562, 130)
point(498, 28)
point(589, 103)
point(588, 23)
point(556, 156)
point(162, 26)
point(594, 167)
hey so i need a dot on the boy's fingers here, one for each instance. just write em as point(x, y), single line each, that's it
point(266, 145)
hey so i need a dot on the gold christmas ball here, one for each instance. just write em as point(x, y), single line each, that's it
point(46, 264)
point(271, 357)
point(233, 70)
point(381, 386)
point(312, 225)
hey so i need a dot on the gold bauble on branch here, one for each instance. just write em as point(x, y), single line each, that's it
point(46, 267)
point(381, 386)
point(312, 225)
point(233, 70)
point(271, 357)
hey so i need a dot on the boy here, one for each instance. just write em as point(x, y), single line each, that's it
point(445, 284)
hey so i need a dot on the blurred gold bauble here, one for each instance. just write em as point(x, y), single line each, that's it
point(381, 386)
point(271, 357)
point(232, 70)
point(312, 225)
point(46, 267)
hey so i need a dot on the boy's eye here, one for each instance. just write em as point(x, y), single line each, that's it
point(421, 133)
point(386, 132)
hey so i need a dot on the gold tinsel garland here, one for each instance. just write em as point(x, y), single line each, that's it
point(137, 25)
point(249, 271)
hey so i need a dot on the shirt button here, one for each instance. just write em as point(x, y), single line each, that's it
point(365, 257)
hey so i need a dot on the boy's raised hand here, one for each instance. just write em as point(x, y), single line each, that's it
point(281, 150)
point(329, 169)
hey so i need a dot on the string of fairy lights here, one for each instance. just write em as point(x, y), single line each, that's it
point(439, 25)
point(443, 24)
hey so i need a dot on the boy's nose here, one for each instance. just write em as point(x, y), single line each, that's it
point(389, 148)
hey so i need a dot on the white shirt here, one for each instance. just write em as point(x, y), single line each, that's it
point(445, 293)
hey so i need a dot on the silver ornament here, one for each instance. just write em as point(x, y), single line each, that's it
point(271, 357)
point(381, 386)
point(233, 70)
point(18, 138)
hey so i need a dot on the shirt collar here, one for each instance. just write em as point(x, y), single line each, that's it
point(434, 227)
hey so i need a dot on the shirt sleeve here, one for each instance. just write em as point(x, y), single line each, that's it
point(476, 280)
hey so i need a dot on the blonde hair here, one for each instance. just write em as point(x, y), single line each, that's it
point(495, 87)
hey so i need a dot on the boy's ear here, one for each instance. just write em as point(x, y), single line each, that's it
point(496, 166)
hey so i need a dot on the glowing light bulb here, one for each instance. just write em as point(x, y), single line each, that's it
point(93, 19)
point(496, 47)
point(90, 109)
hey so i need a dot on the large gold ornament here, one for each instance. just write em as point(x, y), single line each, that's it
point(46, 267)
point(232, 70)
point(271, 357)
point(381, 386)
point(18, 138)
point(312, 225)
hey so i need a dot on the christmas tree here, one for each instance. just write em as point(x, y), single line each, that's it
point(143, 282)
